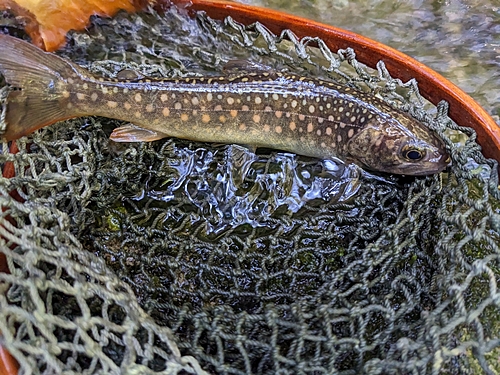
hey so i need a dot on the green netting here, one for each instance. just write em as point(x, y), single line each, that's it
point(181, 257)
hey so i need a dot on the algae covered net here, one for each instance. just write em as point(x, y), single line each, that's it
point(182, 257)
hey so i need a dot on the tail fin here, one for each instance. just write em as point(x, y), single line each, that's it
point(39, 81)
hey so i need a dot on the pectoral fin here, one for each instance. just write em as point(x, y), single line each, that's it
point(132, 133)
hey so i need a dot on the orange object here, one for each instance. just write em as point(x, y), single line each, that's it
point(8, 365)
point(48, 21)
point(434, 87)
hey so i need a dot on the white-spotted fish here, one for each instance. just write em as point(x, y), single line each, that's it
point(262, 109)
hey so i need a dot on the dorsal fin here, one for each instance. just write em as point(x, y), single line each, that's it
point(129, 75)
point(233, 66)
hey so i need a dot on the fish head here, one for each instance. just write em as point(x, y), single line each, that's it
point(404, 147)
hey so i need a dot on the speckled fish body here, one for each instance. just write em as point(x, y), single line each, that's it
point(263, 109)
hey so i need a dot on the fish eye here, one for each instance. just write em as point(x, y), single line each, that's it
point(413, 154)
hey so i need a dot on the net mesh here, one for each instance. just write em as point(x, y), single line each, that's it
point(181, 257)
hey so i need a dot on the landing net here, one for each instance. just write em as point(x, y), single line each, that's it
point(178, 257)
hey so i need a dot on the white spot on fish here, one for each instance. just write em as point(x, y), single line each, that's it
point(80, 96)
point(166, 112)
point(112, 104)
point(258, 100)
point(93, 97)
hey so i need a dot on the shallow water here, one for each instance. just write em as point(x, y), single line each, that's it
point(457, 38)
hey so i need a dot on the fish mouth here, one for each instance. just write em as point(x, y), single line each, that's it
point(432, 166)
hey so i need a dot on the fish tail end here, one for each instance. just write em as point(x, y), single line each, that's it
point(39, 93)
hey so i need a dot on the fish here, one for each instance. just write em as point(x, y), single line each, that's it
point(263, 108)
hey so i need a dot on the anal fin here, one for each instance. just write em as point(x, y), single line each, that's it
point(133, 133)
